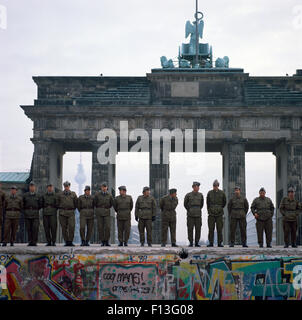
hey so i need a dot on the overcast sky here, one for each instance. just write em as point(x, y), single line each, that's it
point(127, 37)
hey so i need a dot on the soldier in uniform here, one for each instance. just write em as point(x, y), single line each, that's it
point(13, 208)
point(103, 201)
point(145, 213)
point(50, 208)
point(168, 205)
point(2, 204)
point(67, 204)
point(216, 201)
point(238, 207)
point(290, 208)
point(123, 205)
point(194, 203)
point(32, 204)
point(263, 210)
point(86, 208)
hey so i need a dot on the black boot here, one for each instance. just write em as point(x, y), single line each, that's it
point(174, 245)
point(294, 245)
point(120, 244)
point(3, 244)
point(125, 244)
point(210, 245)
point(191, 244)
point(71, 244)
point(232, 245)
point(66, 244)
point(197, 244)
point(53, 244)
point(269, 245)
point(11, 244)
point(103, 244)
point(83, 244)
point(149, 245)
point(220, 245)
point(87, 244)
point(245, 245)
point(163, 245)
point(142, 244)
point(48, 244)
point(260, 245)
point(285, 246)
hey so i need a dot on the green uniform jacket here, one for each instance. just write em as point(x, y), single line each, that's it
point(145, 207)
point(216, 201)
point(238, 207)
point(32, 204)
point(49, 204)
point(103, 202)
point(168, 205)
point(194, 203)
point(86, 206)
point(67, 203)
point(13, 206)
point(289, 209)
point(123, 205)
point(263, 207)
point(2, 201)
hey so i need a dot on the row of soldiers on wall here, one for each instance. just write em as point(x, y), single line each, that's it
point(145, 213)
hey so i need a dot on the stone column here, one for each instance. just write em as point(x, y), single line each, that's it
point(100, 173)
point(47, 167)
point(289, 173)
point(233, 153)
point(159, 185)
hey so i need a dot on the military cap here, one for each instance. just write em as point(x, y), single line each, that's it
point(290, 189)
point(216, 182)
point(49, 184)
point(32, 183)
point(146, 189)
point(104, 184)
point(237, 188)
point(14, 187)
point(172, 191)
point(122, 188)
point(262, 189)
point(87, 188)
point(66, 184)
point(195, 183)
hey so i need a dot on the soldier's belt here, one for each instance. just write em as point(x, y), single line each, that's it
point(103, 207)
point(123, 209)
point(195, 206)
point(13, 209)
point(67, 208)
point(50, 207)
point(31, 208)
point(145, 208)
point(237, 208)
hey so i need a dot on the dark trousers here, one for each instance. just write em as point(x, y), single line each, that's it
point(233, 227)
point(142, 225)
point(10, 230)
point(86, 223)
point(103, 224)
point(290, 230)
point(267, 227)
point(32, 227)
point(1, 223)
point(194, 222)
point(218, 221)
point(166, 224)
point(68, 225)
point(123, 227)
point(50, 227)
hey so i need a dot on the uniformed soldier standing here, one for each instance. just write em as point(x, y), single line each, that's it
point(145, 213)
point(13, 208)
point(2, 204)
point(263, 210)
point(103, 202)
point(123, 205)
point(194, 203)
point(86, 208)
point(67, 203)
point(290, 209)
point(238, 207)
point(50, 221)
point(32, 204)
point(216, 201)
point(168, 205)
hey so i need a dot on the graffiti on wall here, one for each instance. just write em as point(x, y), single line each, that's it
point(118, 276)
